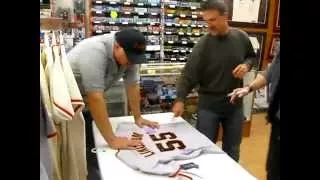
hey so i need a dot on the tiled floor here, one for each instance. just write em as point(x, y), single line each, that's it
point(254, 148)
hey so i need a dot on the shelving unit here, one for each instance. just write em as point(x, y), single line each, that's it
point(144, 15)
point(172, 28)
point(183, 27)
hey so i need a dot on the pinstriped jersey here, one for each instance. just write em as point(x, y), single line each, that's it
point(162, 148)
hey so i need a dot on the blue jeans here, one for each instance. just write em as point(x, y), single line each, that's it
point(231, 120)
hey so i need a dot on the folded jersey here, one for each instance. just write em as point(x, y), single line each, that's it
point(162, 148)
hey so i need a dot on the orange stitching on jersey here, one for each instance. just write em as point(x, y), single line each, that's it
point(52, 135)
point(176, 173)
point(64, 110)
point(185, 176)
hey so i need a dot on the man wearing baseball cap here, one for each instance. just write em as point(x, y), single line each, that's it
point(97, 63)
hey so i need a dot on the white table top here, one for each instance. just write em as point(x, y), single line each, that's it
point(212, 166)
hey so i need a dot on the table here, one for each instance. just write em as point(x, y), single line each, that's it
point(212, 166)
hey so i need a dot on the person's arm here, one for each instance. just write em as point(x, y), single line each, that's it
point(259, 82)
point(250, 57)
point(93, 81)
point(131, 80)
point(97, 108)
point(189, 74)
point(189, 77)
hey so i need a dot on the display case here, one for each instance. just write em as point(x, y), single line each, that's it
point(116, 100)
point(158, 86)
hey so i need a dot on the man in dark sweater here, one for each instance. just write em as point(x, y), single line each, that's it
point(217, 64)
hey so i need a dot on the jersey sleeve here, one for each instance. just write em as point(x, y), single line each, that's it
point(93, 66)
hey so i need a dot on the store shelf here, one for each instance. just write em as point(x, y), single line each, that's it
point(125, 3)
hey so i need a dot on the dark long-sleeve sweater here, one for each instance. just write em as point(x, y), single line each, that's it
point(211, 64)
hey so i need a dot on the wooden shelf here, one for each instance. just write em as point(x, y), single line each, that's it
point(57, 23)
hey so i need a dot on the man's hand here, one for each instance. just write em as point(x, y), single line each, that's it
point(140, 122)
point(178, 109)
point(238, 93)
point(123, 143)
point(240, 71)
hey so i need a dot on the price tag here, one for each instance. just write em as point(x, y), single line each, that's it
point(193, 25)
point(200, 25)
point(140, 4)
point(125, 22)
point(181, 33)
point(154, 14)
point(127, 12)
point(97, 22)
point(98, 31)
point(139, 22)
point(184, 42)
point(170, 42)
point(154, 4)
point(172, 6)
point(170, 15)
point(195, 42)
point(178, 25)
point(169, 24)
point(99, 12)
point(112, 22)
point(182, 15)
point(189, 33)
point(126, 3)
point(98, 2)
point(141, 13)
point(175, 51)
point(156, 32)
point(197, 34)
point(181, 59)
point(113, 2)
point(194, 16)
point(183, 51)
point(193, 7)
point(184, 25)
point(173, 59)
point(153, 23)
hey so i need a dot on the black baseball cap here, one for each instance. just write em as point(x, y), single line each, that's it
point(134, 44)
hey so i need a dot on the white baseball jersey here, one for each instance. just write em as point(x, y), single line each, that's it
point(163, 147)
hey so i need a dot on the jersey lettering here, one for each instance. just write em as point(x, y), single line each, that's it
point(163, 136)
point(170, 145)
point(141, 149)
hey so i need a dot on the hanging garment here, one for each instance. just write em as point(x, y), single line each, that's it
point(46, 130)
point(44, 88)
point(66, 107)
point(73, 133)
point(45, 70)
